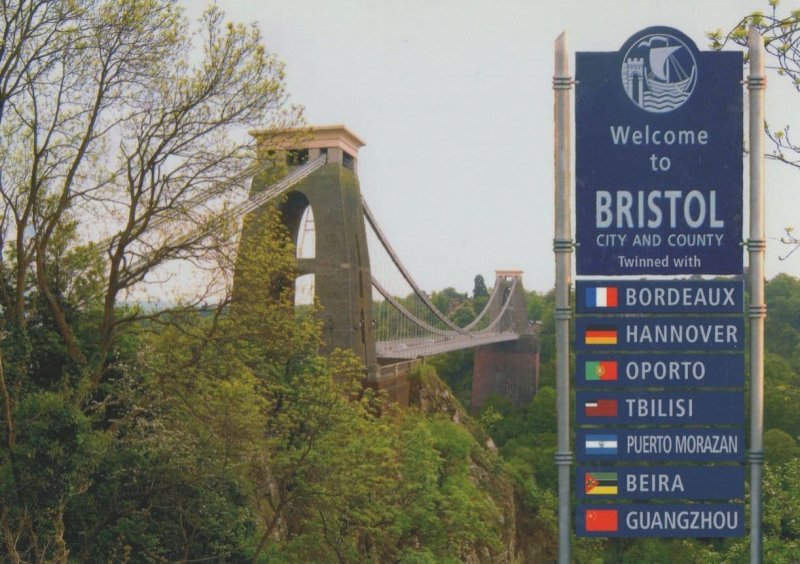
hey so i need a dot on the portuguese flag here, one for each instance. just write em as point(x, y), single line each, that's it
point(600, 483)
point(603, 370)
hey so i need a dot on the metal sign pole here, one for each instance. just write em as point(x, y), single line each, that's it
point(562, 247)
point(756, 245)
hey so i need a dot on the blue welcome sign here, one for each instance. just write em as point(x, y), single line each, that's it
point(658, 158)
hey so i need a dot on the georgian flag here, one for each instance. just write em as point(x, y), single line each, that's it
point(600, 408)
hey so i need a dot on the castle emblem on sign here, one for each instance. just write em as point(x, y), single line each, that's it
point(659, 73)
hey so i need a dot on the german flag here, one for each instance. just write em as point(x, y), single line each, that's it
point(601, 335)
point(600, 483)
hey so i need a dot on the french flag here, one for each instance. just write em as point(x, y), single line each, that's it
point(601, 296)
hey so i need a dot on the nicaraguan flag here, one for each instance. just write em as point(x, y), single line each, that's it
point(601, 296)
point(601, 444)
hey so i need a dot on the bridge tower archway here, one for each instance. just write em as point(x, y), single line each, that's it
point(322, 181)
point(340, 261)
point(510, 369)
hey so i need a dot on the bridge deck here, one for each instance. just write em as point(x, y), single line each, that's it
point(417, 348)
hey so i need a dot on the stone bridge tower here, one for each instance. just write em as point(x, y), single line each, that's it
point(329, 198)
point(339, 260)
point(510, 369)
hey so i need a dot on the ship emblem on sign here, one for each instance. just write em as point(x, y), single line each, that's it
point(659, 73)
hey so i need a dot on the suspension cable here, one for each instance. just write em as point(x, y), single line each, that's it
point(395, 259)
point(407, 314)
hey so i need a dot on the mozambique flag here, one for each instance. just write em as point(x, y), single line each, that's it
point(601, 335)
point(603, 370)
point(600, 483)
point(602, 520)
point(600, 408)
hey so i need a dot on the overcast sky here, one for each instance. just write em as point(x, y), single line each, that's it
point(454, 101)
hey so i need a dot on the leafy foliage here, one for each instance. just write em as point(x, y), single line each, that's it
point(104, 117)
point(196, 432)
point(479, 289)
point(780, 30)
point(217, 432)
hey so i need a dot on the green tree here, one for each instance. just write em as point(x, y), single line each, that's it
point(782, 328)
point(780, 447)
point(479, 289)
point(463, 314)
point(448, 300)
point(781, 526)
point(781, 32)
point(242, 444)
point(455, 368)
point(541, 307)
point(781, 362)
point(103, 115)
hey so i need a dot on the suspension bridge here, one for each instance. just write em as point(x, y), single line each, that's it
point(370, 302)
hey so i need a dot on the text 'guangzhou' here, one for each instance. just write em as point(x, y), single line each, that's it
point(694, 520)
